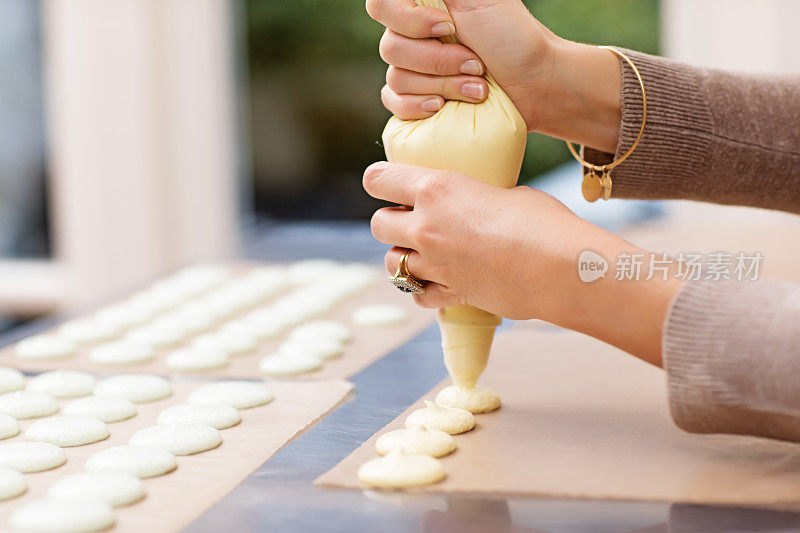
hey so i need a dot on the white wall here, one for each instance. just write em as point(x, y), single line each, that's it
point(738, 35)
point(141, 109)
point(745, 35)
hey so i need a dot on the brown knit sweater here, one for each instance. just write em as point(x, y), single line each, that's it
point(731, 349)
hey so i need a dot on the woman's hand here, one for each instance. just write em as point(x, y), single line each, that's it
point(563, 89)
point(513, 252)
point(503, 34)
point(475, 242)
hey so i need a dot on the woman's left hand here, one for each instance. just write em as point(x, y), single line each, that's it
point(513, 252)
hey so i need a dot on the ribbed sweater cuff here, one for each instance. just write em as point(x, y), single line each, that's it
point(732, 355)
point(675, 143)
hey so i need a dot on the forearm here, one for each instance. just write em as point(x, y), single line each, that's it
point(731, 349)
point(627, 306)
point(630, 313)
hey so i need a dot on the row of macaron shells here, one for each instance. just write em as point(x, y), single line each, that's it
point(113, 475)
point(410, 456)
point(200, 298)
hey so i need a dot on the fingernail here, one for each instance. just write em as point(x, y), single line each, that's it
point(471, 66)
point(443, 28)
point(472, 90)
point(431, 105)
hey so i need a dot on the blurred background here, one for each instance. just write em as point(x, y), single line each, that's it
point(140, 135)
point(315, 111)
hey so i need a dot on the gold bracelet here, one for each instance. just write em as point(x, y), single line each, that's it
point(596, 186)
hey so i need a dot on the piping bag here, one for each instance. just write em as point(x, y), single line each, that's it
point(485, 141)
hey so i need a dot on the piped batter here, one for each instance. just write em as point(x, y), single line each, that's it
point(399, 470)
point(473, 399)
point(452, 420)
point(417, 439)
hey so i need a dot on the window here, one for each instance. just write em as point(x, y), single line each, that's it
point(144, 175)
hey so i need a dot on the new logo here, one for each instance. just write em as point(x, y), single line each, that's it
point(591, 266)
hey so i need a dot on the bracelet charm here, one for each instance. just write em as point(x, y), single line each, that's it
point(596, 186)
point(591, 187)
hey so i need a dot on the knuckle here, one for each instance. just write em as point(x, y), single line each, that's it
point(388, 46)
point(393, 77)
point(446, 86)
point(375, 224)
point(371, 176)
point(390, 262)
point(404, 107)
point(441, 63)
point(387, 97)
point(425, 233)
point(434, 187)
point(374, 8)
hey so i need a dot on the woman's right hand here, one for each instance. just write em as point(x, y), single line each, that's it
point(563, 89)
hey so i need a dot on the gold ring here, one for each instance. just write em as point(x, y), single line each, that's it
point(403, 279)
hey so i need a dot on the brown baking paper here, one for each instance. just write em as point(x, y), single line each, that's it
point(582, 419)
point(367, 345)
point(176, 499)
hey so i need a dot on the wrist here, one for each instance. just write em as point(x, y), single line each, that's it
point(582, 101)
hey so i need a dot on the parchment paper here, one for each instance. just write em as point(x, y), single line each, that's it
point(176, 499)
point(368, 344)
point(584, 420)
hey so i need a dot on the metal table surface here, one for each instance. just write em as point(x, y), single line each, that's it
point(280, 496)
